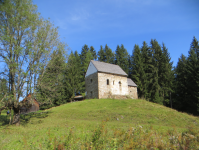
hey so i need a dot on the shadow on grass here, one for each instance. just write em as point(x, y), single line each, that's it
point(37, 117)
point(25, 118)
point(4, 120)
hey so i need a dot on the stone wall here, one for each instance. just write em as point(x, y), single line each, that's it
point(91, 85)
point(117, 85)
point(133, 92)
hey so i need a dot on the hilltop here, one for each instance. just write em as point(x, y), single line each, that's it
point(85, 120)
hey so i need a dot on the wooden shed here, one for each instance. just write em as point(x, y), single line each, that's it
point(32, 103)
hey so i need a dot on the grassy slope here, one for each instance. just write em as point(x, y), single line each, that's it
point(84, 116)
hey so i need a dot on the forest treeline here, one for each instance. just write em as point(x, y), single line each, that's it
point(34, 60)
point(149, 66)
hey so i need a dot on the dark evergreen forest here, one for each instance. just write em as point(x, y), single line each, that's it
point(149, 66)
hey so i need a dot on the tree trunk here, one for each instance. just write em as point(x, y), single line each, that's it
point(10, 115)
point(16, 118)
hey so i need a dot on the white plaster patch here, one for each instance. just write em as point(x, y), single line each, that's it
point(91, 69)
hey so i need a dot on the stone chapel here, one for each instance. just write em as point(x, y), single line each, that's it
point(104, 80)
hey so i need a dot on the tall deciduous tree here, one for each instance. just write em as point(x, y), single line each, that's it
point(26, 42)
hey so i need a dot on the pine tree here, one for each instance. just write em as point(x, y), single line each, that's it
point(193, 77)
point(166, 75)
point(137, 69)
point(195, 46)
point(187, 81)
point(74, 75)
point(106, 55)
point(51, 83)
point(155, 81)
point(147, 62)
point(101, 54)
point(84, 51)
point(93, 52)
point(109, 55)
point(181, 94)
point(122, 58)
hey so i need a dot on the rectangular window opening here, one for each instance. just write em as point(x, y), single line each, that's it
point(107, 81)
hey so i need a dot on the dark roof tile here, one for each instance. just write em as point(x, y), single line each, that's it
point(108, 68)
point(130, 82)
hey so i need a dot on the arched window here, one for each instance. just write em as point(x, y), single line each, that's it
point(107, 81)
point(120, 83)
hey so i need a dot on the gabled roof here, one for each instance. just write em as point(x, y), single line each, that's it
point(108, 68)
point(130, 82)
point(28, 98)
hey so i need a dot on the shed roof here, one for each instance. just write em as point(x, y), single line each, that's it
point(108, 68)
point(130, 82)
point(28, 98)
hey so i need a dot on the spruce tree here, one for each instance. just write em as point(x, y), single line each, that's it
point(74, 75)
point(193, 78)
point(187, 81)
point(122, 58)
point(109, 55)
point(147, 62)
point(155, 80)
point(93, 52)
point(137, 69)
point(166, 75)
point(106, 55)
point(84, 51)
point(101, 54)
point(51, 83)
point(181, 95)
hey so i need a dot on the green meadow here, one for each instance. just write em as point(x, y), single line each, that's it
point(102, 124)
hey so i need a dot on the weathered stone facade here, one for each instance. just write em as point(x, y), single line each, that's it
point(91, 83)
point(110, 84)
point(133, 92)
point(104, 80)
point(103, 85)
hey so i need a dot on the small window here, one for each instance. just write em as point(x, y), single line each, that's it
point(107, 81)
point(120, 83)
point(91, 80)
point(91, 93)
point(113, 82)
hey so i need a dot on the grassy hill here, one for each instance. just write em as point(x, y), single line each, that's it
point(103, 124)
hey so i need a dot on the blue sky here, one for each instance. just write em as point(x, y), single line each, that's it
point(127, 22)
